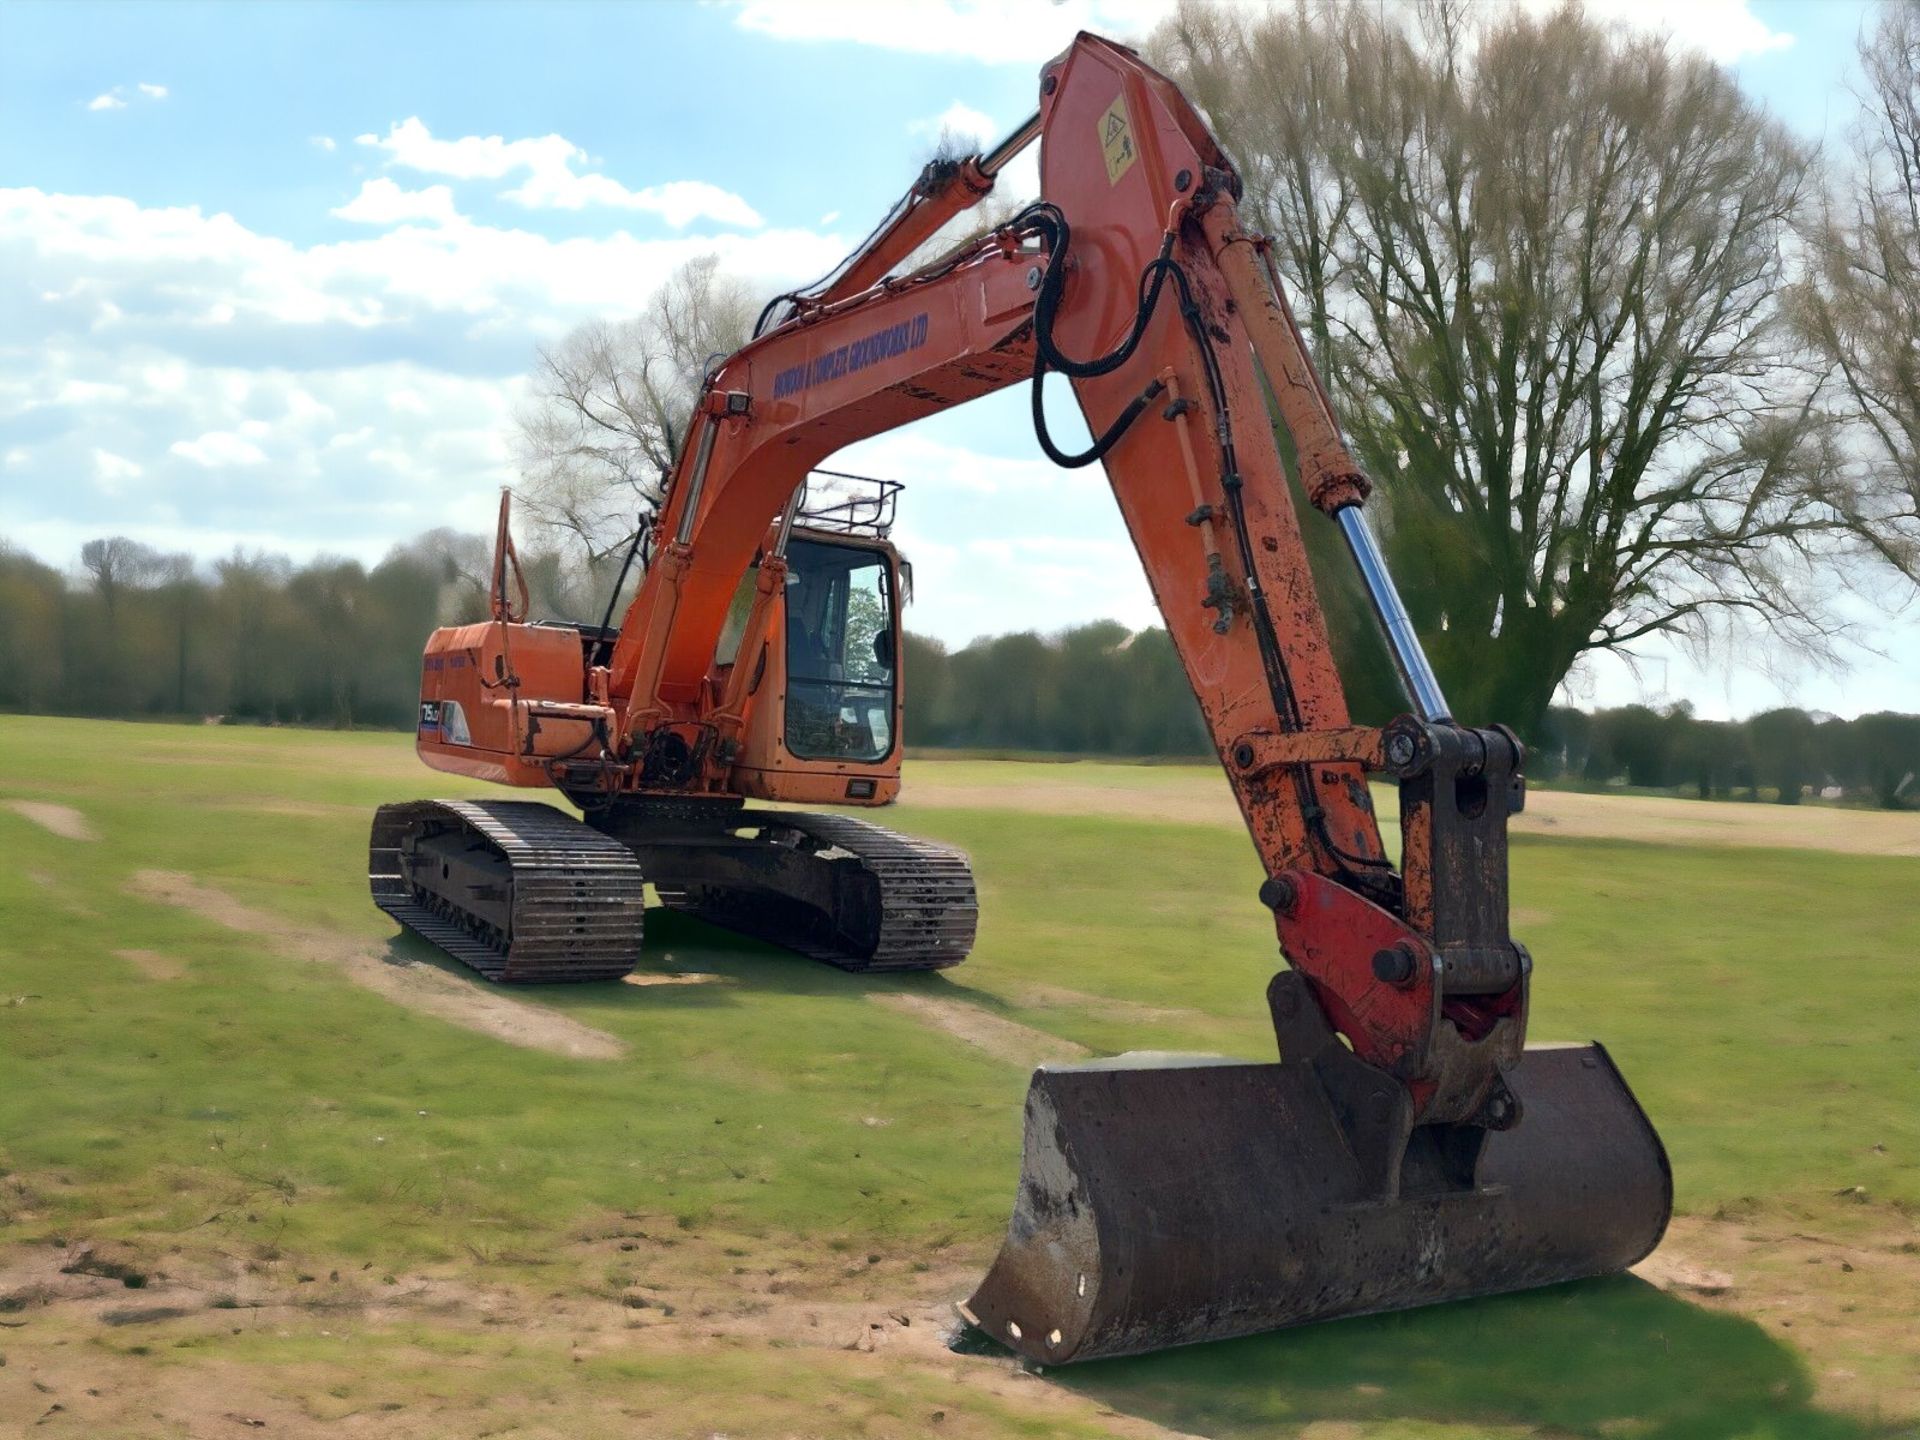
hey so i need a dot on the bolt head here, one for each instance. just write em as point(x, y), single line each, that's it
point(1279, 894)
point(1400, 750)
point(1395, 965)
point(1033, 278)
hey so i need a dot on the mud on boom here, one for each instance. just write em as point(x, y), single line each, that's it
point(1408, 1147)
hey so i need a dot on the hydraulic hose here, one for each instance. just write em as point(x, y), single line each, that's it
point(1048, 220)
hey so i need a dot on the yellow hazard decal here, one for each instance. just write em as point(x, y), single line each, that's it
point(1116, 140)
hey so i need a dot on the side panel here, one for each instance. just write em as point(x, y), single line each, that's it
point(473, 723)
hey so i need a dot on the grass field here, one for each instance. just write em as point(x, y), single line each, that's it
point(265, 1161)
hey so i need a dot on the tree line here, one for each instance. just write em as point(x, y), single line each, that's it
point(251, 637)
point(142, 633)
point(1783, 755)
point(1099, 690)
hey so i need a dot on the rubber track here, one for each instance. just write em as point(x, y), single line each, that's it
point(579, 899)
point(929, 909)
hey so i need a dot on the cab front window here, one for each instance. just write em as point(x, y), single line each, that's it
point(840, 660)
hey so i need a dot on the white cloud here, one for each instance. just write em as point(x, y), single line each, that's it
point(381, 202)
point(217, 449)
point(961, 121)
point(410, 144)
point(117, 97)
point(323, 142)
point(1022, 32)
point(111, 467)
point(551, 181)
point(171, 265)
point(995, 31)
point(372, 378)
point(1067, 562)
point(678, 202)
point(1723, 30)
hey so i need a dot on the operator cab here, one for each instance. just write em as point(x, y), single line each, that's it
point(831, 667)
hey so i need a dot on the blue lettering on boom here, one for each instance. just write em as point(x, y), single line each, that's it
point(852, 358)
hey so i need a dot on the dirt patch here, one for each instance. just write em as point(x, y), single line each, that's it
point(644, 1288)
point(62, 820)
point(1196, 795)
point(421, 987)
point(642, 1285)
point(646, 979)
point(1056, 997)
point(1003, 1039)
point(1664, 820)
point(1200, 799)
point(1846, 1304)
point(152, 964)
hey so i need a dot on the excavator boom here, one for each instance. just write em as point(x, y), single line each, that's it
point(1409, 1147)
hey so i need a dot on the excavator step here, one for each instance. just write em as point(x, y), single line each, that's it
point(831, 887)
point(516, 890)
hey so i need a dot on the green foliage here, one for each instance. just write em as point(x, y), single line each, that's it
point(1784, 752)
point(1093, 690)
point(330, 643)
point(1889, 749)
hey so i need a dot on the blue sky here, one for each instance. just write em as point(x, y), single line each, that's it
point(270, 274)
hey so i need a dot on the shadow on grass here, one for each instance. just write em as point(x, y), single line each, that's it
point(1598, 1358)
point(680, 944)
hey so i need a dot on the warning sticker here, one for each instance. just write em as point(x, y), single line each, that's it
point(1116, 140)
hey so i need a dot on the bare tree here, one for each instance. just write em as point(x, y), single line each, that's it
point(1541, 264)
point(461, 563)
point(181, 597)
point(117, 565)
point(1861, 306)
point(611, 404)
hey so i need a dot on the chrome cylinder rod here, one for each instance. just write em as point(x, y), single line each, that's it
point(787, 517)
point(995, 160)
point(1423, 688)
point(702, 455)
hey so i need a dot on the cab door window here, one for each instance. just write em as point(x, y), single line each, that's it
point(840, 660)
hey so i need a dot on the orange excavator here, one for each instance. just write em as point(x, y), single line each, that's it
point(1408, 1147)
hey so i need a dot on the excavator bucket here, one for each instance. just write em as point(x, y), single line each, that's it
point(1169, 1200)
